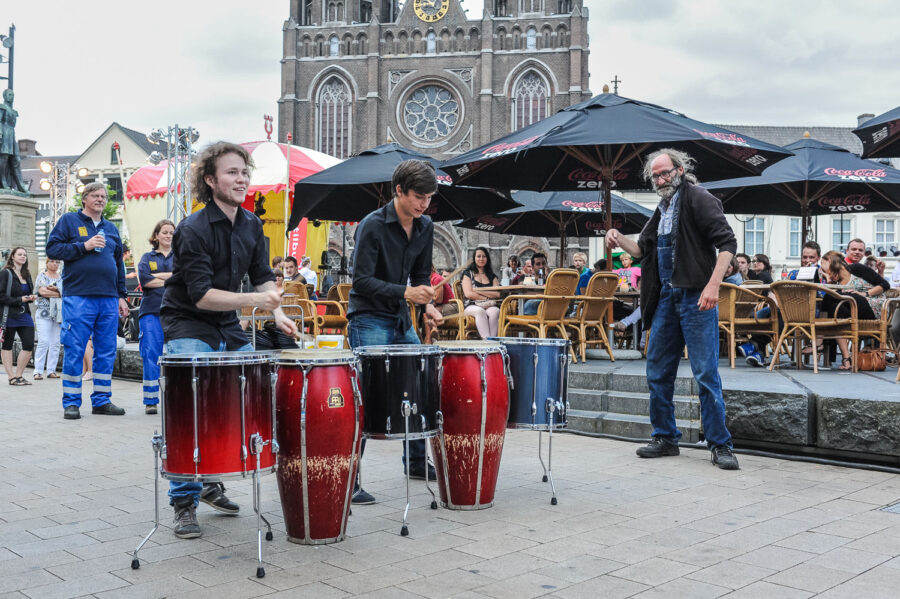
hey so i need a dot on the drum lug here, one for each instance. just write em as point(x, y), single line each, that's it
point(439, 418)
point(388, 425)
point(387, 364)
point(275, 446)
point(196, 455)
point(422, 364)
point(508, 369)
point(406, 408)
point(244, 453)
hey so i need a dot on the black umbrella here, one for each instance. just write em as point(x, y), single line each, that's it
point(818, 179)
point(881, 136)
point(562, 214)
point(352, 189)
point(600, 142)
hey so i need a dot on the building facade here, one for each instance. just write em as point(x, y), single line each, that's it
point(359, 73)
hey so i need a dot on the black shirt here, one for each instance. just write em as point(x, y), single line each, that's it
point(384, 260)
point(868, 275)
point(211, 253)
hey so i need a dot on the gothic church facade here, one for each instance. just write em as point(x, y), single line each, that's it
point(359, 73)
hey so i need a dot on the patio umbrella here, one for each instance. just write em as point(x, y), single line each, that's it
point(562, 214)
point(357, 186)
point(881, 136)
point(818, 179)
point(600, 143)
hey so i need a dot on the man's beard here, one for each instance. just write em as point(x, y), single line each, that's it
point(228, 200)
point(668, 190)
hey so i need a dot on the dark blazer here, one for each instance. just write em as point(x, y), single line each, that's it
point(14, 299)
point(700, 230)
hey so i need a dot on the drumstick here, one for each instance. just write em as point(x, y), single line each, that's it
point(448, 277)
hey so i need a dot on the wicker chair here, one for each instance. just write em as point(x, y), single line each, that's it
point(737, 315)
point(797, 305)
point(560, 289)
point(297, 288)
point(591, 313)
point(470, 331)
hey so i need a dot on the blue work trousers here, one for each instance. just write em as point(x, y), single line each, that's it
point(151, 346)
point(677, 322)
point(86, 317)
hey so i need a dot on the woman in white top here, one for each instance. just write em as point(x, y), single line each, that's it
point(47, 320)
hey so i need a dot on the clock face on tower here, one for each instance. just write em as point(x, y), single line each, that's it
point(431, 10)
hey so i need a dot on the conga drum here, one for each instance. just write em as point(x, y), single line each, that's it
point(471, 423)
point(540, 370)
point(319, 419)
point(217, 412)
point(400, 390)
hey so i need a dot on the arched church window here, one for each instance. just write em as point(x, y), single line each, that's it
point(334, 46)
point(529, 99)
point(333, 107)
point(531, 39)
point(431, 113)
point(430, 43)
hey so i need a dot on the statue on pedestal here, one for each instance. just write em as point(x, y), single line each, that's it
point(10, 170)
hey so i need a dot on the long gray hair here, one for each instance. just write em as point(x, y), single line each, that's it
point(679, 159)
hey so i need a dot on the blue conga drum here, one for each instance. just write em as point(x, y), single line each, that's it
point(539, 369)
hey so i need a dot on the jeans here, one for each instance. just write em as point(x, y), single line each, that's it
point(84, 318)
point(678, 321)
point(46, 358)
point(187, 345)
point(367, 329)
point(531, 307)
point(151, 347)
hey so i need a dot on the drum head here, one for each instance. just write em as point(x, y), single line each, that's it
point(215, 358)
point(314, 356)
point(409, 349)
point(530, 341)
point(470, 347)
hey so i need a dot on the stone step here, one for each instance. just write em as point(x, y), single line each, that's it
point(624, 402)
point(621, 381)
point(625, 425)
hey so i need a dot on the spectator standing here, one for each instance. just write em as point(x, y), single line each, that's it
point(482, 305)
point(47, 317)
point(16, 293)
point(93, 298)
point(154, 270)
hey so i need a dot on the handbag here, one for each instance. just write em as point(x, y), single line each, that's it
point(486, 303)
point(872, 360)
point(5, 307)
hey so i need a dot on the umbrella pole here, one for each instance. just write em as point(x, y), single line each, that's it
point(287, 191)
point(606, 198)
point(804, 217)
point(562, 244)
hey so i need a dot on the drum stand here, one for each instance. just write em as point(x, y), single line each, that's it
point(256, 448)
point(552, 407)
point(406, 409)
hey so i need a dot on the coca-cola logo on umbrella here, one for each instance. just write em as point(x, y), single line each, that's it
point(585, 178)
point(725, 137)
point(583, 206)
point(507, 147)
point(489, 223)
point(860, 174)
point(599, 227)
point(857, 202)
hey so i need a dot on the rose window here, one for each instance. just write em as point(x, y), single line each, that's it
point(431, 113)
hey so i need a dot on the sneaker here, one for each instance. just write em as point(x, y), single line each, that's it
point(108, 409)
point(360, 497)
point(755, 358)
point(723, 457)
point(417, 471)
point(150, 409)
point(657, 448)
point(213, 495)
point(186, 525)
point(71, 413)
point(745, 349)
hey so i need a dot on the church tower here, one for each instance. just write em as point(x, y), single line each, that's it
point(359, 73)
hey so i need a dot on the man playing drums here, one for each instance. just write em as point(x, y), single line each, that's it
point(391, 264)
point(213, 249)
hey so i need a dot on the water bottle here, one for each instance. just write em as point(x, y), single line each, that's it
point(102, 234)
point(540, 280)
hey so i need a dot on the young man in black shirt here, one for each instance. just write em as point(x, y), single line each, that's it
point(213, 249)
point(391, 264)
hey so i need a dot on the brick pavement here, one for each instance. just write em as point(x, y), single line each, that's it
point(76, 496)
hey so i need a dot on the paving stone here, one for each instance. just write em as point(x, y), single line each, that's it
point(607, 586)
point(88, 585)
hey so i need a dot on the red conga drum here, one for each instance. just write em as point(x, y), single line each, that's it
point(213, 404)
point(472, 423)
point(319, 418)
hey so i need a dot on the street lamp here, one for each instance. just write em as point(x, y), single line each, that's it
point(61, 176)
point(178, 154)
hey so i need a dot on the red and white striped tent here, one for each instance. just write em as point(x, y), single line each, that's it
point(146, 189)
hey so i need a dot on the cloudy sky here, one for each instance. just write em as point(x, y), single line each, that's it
point(215, 64)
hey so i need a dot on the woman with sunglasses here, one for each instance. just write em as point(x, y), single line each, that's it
point(760, 269)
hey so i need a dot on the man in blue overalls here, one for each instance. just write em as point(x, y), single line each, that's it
point(93, 298)
point(679, 297)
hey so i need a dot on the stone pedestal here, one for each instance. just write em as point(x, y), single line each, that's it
point(17, 215)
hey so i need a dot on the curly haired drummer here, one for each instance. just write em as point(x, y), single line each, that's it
point(213, 249)
point(391, 264)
